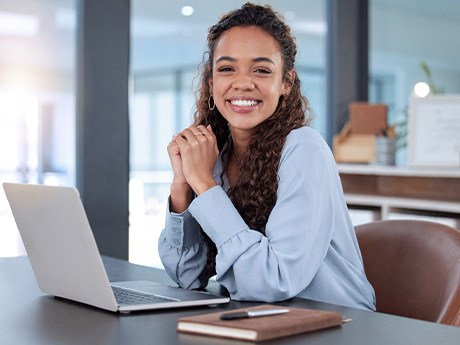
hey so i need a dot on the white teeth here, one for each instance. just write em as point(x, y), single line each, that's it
point(244, 103)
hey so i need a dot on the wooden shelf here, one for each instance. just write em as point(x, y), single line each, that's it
point(388, 189)
point(382, 170)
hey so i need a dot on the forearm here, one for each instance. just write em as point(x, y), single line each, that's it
point(181, 197)
point(280, 264)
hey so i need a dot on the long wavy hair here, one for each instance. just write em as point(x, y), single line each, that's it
point(254, 193)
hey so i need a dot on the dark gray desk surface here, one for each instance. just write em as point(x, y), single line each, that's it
point(27, 316)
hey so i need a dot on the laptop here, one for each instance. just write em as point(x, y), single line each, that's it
point(66, 261)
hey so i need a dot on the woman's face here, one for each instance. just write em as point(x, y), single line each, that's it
point(247, 79)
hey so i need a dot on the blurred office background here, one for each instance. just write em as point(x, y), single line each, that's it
point(38, 47)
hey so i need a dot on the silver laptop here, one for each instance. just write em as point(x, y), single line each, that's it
point(66, 261)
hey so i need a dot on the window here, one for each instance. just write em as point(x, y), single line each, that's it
point(37, 103)
point(403, 35)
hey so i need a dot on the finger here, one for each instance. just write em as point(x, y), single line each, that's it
point(210, 131)
point(192, 133)
point(200, 135)
point(198, 130)
point(202, 132)
point(202, 129)
point(183, 137)
point(180, 140)
point(173, 148)
point(172, 143)
point(210, 135)
point(207, 130)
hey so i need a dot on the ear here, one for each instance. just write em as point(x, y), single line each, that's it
point(287, 84)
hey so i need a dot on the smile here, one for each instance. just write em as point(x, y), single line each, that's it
point(244, 102)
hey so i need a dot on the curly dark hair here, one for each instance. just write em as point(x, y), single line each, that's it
point(254, 193)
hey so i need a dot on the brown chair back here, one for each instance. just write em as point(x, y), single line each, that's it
point(414, 267)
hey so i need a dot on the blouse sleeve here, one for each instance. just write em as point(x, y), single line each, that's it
point(183, 251)
point(298, 233)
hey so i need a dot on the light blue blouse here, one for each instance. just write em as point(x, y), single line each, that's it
point(309, 249)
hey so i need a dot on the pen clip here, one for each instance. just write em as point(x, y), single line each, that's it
point(234, 316)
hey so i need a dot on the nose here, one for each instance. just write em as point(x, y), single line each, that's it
point(243, 81)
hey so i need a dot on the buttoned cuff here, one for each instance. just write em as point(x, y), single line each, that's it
point(182, 230)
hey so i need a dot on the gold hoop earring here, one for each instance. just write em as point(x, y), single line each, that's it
point(209, 103)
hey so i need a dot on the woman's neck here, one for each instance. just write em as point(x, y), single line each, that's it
point(240, 142)
point(233, 166)
point(234, 161)
point(237, 151)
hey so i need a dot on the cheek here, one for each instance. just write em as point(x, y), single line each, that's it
point(216, 84)
point(218, 91)
point(275, 92)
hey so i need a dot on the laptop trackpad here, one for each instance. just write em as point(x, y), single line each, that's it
point(163, 290)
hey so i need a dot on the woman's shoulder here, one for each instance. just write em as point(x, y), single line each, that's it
point(306, 145)
point(305, 136)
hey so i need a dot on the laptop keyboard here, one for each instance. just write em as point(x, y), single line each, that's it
point(127, 296)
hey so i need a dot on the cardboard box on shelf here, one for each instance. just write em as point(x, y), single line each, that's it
point(366, 118)
point(353, 148)
point(356, 142)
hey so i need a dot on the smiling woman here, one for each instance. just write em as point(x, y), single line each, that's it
point(258, 194)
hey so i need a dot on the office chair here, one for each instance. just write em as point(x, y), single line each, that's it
point(414, 267)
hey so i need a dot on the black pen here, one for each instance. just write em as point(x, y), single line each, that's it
point(250, 314)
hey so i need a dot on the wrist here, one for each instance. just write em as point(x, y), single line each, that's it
point(180, 186)
point(181, 197)
point(200, 188)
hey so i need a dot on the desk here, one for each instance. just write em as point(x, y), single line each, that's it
point(30, 317)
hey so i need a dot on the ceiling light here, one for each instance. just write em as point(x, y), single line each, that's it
point(421, 89)
point(187, 10)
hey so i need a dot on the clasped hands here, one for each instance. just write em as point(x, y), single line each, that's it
point(193, 154)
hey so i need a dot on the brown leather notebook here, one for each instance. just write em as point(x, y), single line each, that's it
point(295, 321)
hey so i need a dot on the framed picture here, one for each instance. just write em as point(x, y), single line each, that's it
point(434, 131)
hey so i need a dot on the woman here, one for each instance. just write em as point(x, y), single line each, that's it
point(256, 198)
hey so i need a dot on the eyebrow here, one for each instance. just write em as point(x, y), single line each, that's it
point(231, 59)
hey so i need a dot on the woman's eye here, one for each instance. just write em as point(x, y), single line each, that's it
point(262, 70)
point(225, 69)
